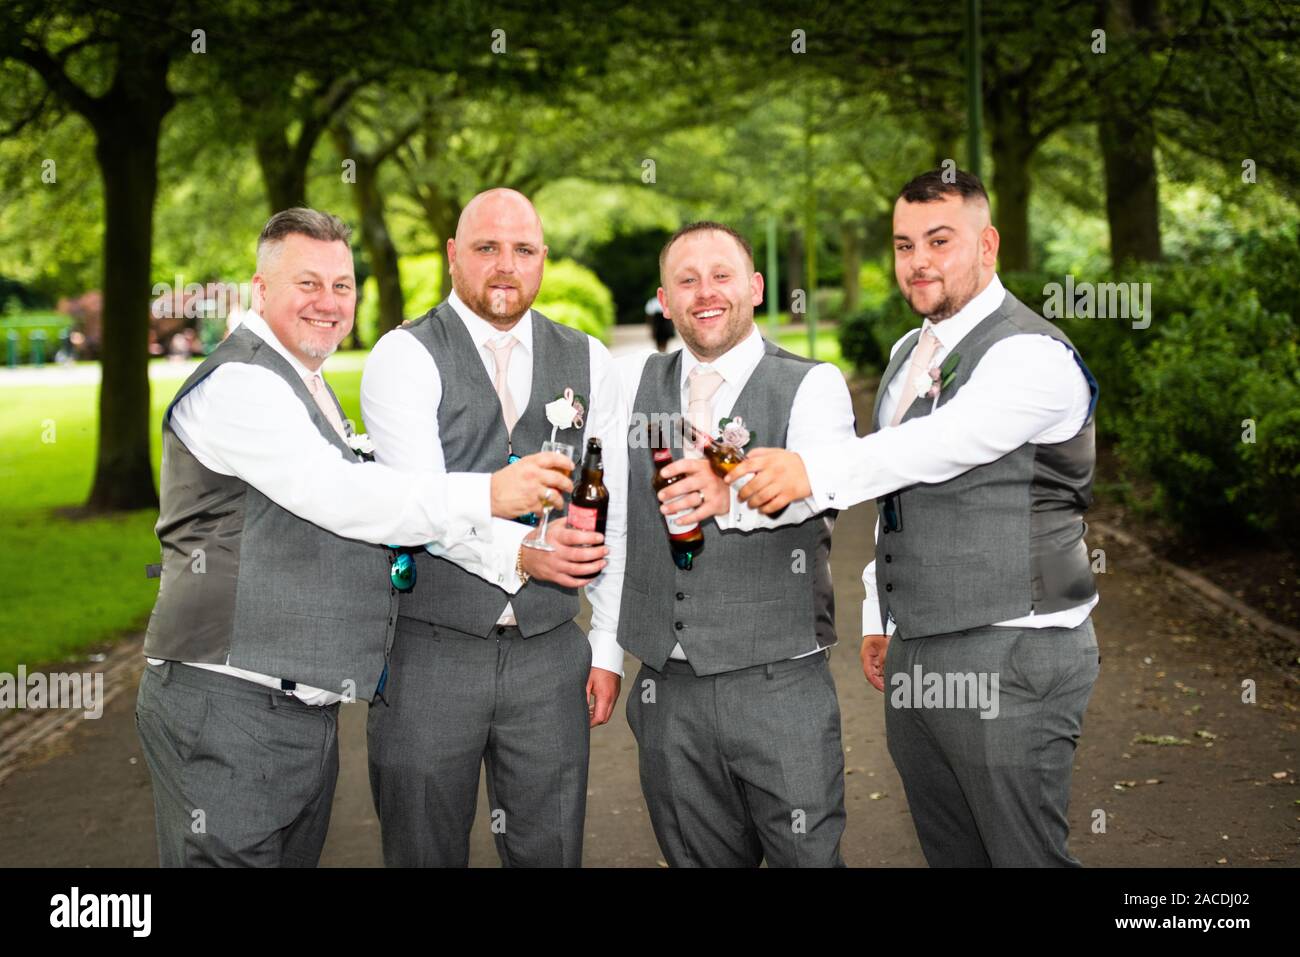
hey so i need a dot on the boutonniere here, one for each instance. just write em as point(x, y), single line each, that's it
point(566, 411)
point(360, 443)
point(735, 433)
point(930, 384)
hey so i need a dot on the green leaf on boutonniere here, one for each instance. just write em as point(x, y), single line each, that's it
point(948, 370)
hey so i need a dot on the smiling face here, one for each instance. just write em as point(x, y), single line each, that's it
point(944, 253)
point(709, 291)
point(306, 291)
point(497, 256)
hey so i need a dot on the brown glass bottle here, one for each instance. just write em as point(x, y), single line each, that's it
point(722, 457)
point(589, 504)
point(686, 541)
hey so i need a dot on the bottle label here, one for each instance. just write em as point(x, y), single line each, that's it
point(583, 519)
point(677, 528)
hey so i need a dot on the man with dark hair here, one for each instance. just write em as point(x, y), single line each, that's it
point(981, 463)
point(734, 709)
point(273, 607)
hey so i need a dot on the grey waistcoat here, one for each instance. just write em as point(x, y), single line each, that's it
point(752, 598)
point(999, 540)
point(276, 593)
point(474, 439)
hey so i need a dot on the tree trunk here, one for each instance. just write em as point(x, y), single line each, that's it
point(375, 236)
point(126, 146)
point(1127, 137)
point(442, 213)
point(1013, 146)
point(852, 252)
point(284, 176)
point(794, 272)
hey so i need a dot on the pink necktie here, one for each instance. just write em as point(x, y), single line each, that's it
point(703, 384)
point(316, 386)
point(501, 349)
point(922, 356)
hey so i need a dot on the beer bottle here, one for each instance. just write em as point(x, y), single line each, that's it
point(589, 504)
point(722, 457)
point(686, 541)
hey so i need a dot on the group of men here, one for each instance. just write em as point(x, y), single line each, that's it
point(284, 535)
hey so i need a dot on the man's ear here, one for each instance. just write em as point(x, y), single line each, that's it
point(990, 241)
point(451, 252)
point(259, 292)
point(756, 288)
point(663, 301)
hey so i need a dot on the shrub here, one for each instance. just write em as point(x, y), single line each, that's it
point(571, 294)
point(1208, 373)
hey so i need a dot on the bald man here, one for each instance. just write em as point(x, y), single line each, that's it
point(479, 676)
point(981, 462)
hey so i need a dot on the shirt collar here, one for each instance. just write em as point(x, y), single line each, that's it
point(952, 330)
point(258, 326)
point(734, 365)
point(483, 332)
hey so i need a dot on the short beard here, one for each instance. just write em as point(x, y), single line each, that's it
point(481, 306)
point(317, 352)
point(950, 304)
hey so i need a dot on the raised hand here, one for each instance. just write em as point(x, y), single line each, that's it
point(779, 478)
point(518, 488)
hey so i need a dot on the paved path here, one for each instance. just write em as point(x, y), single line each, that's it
point(1172, 666)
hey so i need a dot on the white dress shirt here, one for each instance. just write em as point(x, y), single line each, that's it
point(1026, 388)
point(401, 390)
point(822, 414)
point(246, 421)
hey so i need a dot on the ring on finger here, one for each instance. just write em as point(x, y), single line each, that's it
point(701, 491)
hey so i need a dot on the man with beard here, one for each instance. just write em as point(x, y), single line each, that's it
point(981, 461)
point(478, 676)
point(272, 607)
point(734, 708)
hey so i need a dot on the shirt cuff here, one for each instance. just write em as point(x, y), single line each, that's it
point(871, 617)
point(829, 477)
point(606, 652)
point(469, 506)
point(745, 519)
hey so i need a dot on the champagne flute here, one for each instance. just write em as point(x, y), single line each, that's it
point(540, 543)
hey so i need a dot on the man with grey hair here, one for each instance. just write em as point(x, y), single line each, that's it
point(274, 606)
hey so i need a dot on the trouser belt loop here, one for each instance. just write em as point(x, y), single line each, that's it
point(768, 671)
point(164, 671)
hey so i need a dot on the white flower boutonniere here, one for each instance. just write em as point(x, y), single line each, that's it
point(566, 412)
point(360, 443)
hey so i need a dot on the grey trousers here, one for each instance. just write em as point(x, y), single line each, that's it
point(454, 701)
point(742, 766)
point(243, 776)
point(991, 791)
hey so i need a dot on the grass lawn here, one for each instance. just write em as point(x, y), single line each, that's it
point(70, 585)
point(828, 345)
